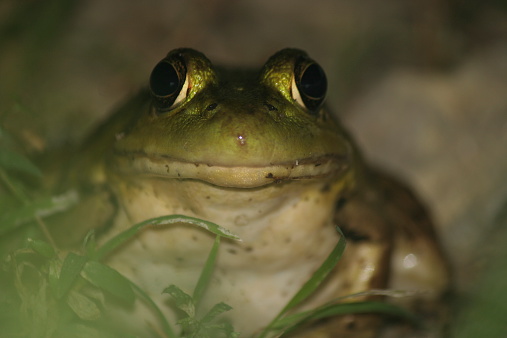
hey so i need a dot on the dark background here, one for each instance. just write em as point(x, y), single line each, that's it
point(421, 84)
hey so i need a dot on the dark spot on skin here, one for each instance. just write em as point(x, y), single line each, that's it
point(232, 251)
point(248, 249)
point(196, 164)
point(418, 215)
point(194, 238)
point(351, 325)
point(318, 164)
point(270, 175)
point(179, 259)
point(207, 197)
point(354, 235)
point(326, 188)
point(211, 106)
point(270, 107)
point(379, 278)
point(340, 203)
point(288, 240)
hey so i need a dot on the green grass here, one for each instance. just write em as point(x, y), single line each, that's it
point(50, 292)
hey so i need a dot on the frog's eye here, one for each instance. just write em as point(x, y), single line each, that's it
point(169, 83)
point(309, 85)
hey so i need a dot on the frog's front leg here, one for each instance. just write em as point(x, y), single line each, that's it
point(391, 244)
point(96, 210)
point(364, 266)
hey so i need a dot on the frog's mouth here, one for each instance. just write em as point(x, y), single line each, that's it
point(232, 176)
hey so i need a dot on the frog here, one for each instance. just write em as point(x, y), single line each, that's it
point(259, 153)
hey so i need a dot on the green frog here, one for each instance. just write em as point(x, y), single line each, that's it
point(260, 154)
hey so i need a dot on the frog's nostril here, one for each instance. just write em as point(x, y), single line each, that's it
point(241, 140)
point(270, 107)
point(211, 106)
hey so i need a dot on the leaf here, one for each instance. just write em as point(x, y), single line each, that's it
point(90, 243)
point(15, 161)
point(226, 328)
point(109, 280)
point(42, 248)
point(71, 268)
point(182, 300)
point(216, 310)
point(42, 207)
point(124, 236)
point(83, 306)
point(206, 273)
point(55, 266)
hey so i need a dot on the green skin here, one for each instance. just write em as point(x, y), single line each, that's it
point(241, 133)
point(242, 150)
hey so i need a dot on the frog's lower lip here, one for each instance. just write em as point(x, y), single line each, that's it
point(228, 175)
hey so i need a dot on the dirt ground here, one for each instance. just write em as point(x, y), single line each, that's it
point(422, 85)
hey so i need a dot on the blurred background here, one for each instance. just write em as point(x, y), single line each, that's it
point(421, 84)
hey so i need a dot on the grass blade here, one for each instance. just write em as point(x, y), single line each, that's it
point(71, 268)
point(206, 273)
point(15, 161)
point(122, 237)
point(109, 280)
point(313, 283)
point(147, 299)
point(293, 322)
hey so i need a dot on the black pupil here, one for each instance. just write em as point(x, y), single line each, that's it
point(164, 79)
point(313, 82)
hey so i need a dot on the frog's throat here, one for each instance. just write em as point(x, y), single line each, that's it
point(231, 176)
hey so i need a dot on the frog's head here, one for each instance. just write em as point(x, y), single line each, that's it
point(235, 128)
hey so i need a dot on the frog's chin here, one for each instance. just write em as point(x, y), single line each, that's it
point(233, 176)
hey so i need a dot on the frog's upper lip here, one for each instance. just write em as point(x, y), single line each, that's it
point(229, 175)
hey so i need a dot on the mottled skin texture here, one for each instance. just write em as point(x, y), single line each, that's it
point(241, 149)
